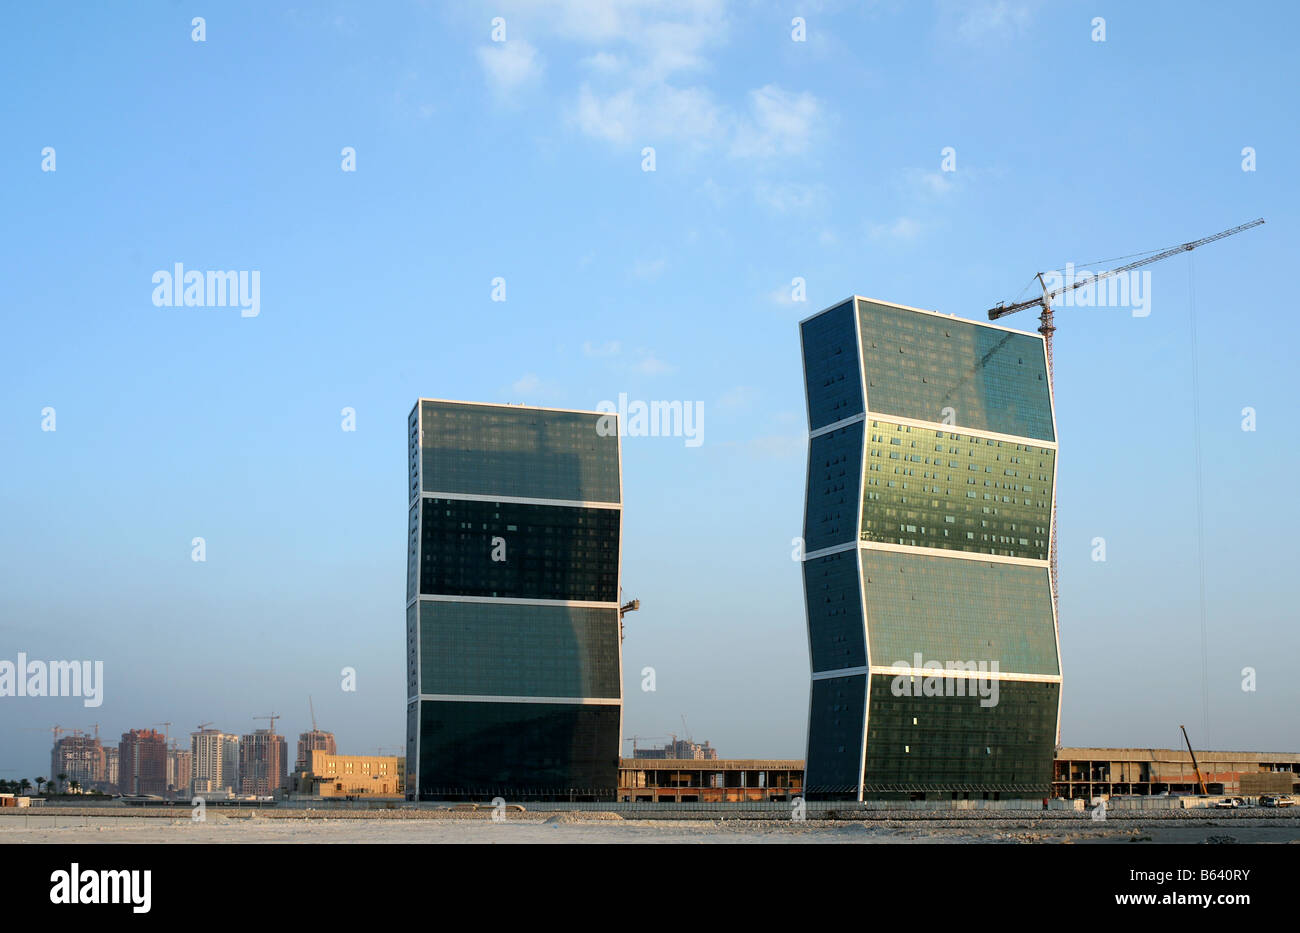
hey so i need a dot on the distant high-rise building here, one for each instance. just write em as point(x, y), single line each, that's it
point(142, 762)
point(313, 741)
point(263, 761)
point(110, 769)
point(180, 770)
point(214, 761)
point(81, 758)
point(927, 532)
point(513, 654)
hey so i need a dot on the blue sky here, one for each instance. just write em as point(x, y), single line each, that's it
point(774, 159)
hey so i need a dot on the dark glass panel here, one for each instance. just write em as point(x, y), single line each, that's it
point(917, 365)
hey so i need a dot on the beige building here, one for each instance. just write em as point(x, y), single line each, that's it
point(350, 776)
point(214, 762)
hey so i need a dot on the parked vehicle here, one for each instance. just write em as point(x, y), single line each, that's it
point(1228, 803)
point(1276, 800)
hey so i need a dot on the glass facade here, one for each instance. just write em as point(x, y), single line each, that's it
point(921, 365)
point(944, 489)
point(518, 751)
point(492, 649)
point(836, 635)
point(947, 743)
point(834, 765)
point(948, 609)
point(499, 596)
point(474, 548)
point(830, 360)
point(949, 564)
point(512, 451)
point(834, 478)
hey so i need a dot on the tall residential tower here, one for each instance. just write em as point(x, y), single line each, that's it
point(514, 663)
point(931, 630)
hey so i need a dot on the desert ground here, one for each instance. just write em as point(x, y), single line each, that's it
point(426, 826)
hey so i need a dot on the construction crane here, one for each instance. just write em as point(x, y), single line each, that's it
point(1047, 328)
point(1199, 780)
point(202, 726)
point(273, 717)
point(630, 606)
point(167, 732)
point(312, 707)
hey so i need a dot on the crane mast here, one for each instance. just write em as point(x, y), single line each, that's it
point(1047, 327)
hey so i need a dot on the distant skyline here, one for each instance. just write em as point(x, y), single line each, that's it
point(933, 155)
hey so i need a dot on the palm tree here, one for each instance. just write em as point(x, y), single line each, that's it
point(39, 782)
point(62, 778)
point(75, 785)
point(23, 785)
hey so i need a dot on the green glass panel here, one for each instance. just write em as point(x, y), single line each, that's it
point(524, 452)
point(504, 649)
point(950, 609)
point(922, 365)
point(953, 743)
point(944, 489)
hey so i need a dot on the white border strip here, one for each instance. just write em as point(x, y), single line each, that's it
point(828, 551)
point(512, 407)
point(512, 600)
point(522, 500)
point(960, 429)
point(841, 672)
point(945, 552)
point(928, 672)
point(476, 698)
point(921, 672)
point(844, 423)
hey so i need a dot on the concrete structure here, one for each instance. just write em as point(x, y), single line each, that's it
point(81, 758)
point(350, 776)
point(142, 763)
point(214, 762)
point(110, 769)
point(682, 780)
point(180, 770)
point(1088, 773)
point(315, 740)
point(678, 749)
point(514, 662)
point(263, 763)
point(927, 533)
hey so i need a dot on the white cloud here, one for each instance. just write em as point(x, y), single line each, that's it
point(780, 123)
point(649, 116)
point(642, 60)
point(791, 196)
point(605, 62)
point(934, 184)
point(904, 228)
point(986, 22)
point(509, 65)
point(526, 384)
point(609, 348)
point(650, 365)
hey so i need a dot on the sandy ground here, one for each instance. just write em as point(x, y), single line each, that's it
point(570, 828)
